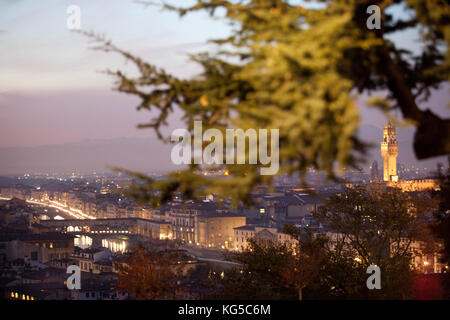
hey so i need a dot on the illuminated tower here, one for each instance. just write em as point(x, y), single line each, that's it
point(389, 152)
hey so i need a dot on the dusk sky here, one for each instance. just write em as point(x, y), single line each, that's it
point(51, 90)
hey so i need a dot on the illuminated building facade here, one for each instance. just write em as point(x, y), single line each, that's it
point(216, 229)
point(132, 226)
point(243, 234)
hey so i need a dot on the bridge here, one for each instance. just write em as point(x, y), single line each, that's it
point(133, 226)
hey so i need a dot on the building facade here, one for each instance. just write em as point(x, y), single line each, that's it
point(216, 230)
point(244, 233)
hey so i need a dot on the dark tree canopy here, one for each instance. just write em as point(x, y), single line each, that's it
point(361, 228)
point(375, 228)
point(149, 274)
point(273, 270)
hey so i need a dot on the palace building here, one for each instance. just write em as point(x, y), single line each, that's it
point(389, 152)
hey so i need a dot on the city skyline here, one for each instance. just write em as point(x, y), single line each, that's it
point(137, 153)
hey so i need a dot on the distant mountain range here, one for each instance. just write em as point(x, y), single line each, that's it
point(151, 155)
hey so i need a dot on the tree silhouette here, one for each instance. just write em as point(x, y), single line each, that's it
point(375, 228)
point(151, 275)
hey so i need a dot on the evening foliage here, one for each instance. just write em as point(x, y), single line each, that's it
point(374, 228)
point(368, 228)
point(272, 270)
point(149, 274)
